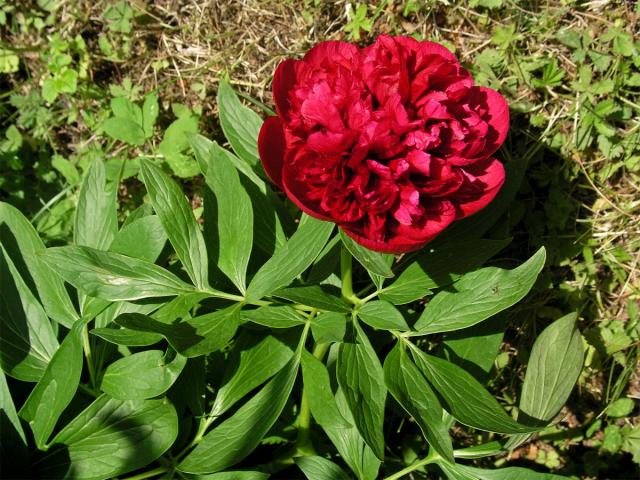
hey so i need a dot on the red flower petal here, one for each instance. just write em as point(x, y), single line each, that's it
point(284, 79)
point(296, 191)
point(410, 238)
point(481, 184)
point(497, 115)
point(271, 145)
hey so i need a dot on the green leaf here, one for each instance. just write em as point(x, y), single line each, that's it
point(438, 267)
point(375, 262)
point(479, 295)
point(413, 393)
point(112, 437)
point(240, 434)
point(276, 316)
point(24, 247)
point(292, 259)
point(361, 378)
point(475, 348)
point(269, 211)
point(622, 407)
point(56, 388)
point(124, 108)
point(194, 337)
point(554, 367)
point(96, 221)
point(127, 337)
point(143, 238)
point(240, 125)
point(142, 375)
point(27, 341)
point(329, 327)
point(316, 296)
point(176, 140)
point(9, 422)
point(229, 475)
point(463, 472)
point(241, 375)
point(319, 468)
point(149, 114)
point(464, 397)
point(125, 130)
point(319, 395)
point(112, 276)
point(178, 221)
point(383, 316)
point(351, 446)
point(235, 217)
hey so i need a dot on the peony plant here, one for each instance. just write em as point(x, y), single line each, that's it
point(269, 342)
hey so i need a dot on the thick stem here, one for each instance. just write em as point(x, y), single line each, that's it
point(346, 267)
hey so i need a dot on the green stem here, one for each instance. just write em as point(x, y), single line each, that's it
point(148, 474)
point(86, 346)
point(431, 458)
point(346, 267)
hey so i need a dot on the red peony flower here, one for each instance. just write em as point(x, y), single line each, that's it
point(392, 142)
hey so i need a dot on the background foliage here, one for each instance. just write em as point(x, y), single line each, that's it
point(124, 81)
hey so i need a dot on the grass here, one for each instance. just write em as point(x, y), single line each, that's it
point(570, 71)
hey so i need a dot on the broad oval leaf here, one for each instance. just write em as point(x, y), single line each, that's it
point(178, 221)
point(27, 340)
point(375, 262)
point(361, 378)
point(383, 316)
point(438, 267)
point(553, 369)
point(142, 375)
point(112, 437)
point(127, 337)
point(276, 316)
point(149, 114)
point(464, 472)
point(112, 276)
point(413, 393)
point(319, 468)
point(321, 400)
point(56, 388)
point(235, 217)
point(465, 398)
point(329, 327)
point(194, 337)
point(23, 245)
point(292, 259)
point(475, 348)
point(478, 296)
point(238, 436)
point(125, 130)
point(240, 125)
point(241, 375)
point(96, 221)
point(554, 366)
point(143, 238)
point(316, 296)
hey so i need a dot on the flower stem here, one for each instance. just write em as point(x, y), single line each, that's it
point(432, 457)
point(346, 274)
point(86, 346)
